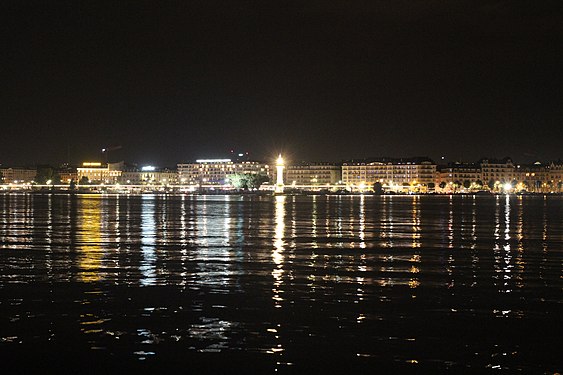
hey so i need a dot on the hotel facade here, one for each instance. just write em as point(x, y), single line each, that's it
point(414, 174)
point(99, 173)
point(313, 174)
point(217, 171)
point(15, 175)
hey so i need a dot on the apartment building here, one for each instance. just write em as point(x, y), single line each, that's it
point(15, 175)
point(313, 174)
point(216, 171)
point(395, 174)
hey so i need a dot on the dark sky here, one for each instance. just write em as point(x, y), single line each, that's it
point(318, 80)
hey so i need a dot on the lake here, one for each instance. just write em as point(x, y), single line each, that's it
point(281, 283)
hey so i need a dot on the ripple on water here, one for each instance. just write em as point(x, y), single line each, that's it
point(402, 282)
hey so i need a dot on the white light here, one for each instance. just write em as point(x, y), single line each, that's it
point(507, 186)
point(49, 182)
point(148, 168)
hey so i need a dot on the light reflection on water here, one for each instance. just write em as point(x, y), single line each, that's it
point(396, 279)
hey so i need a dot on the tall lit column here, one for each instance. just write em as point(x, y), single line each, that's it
point(279, 175)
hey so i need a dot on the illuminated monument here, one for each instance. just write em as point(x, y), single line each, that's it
point(279, 175)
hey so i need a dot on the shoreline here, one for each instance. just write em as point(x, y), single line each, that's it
point(255, 193)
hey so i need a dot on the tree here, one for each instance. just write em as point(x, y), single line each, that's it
point(491, 184)
point(46, 173)
point(247, 180)
point(254, 181)
point(467, 184)
point(84, 180)
point(378, 188)
point(442, 184)
point(72, 185)
point(238, 180)
point(431, 185)
point(479, 183)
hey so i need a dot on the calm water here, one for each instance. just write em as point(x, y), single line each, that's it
point(287, 284)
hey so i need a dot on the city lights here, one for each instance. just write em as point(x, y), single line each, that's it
point(385, 175)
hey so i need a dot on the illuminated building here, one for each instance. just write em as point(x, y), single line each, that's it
point(313, 174)
point(216, 171)
point(538, 178)
point(413, 174)
point(494, 171)
point(100, 173)
point(149, 175)
point(10, 175)
point(67, 173)
point(356, 173)
point(416, 171)
point(556, 175)
point(458, 176)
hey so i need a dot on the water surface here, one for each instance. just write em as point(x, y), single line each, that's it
point(286, 283)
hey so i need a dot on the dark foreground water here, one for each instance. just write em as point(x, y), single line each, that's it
point(195, 284)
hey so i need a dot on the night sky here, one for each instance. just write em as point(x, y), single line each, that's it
point(316, 80)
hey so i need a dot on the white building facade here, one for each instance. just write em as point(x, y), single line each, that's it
point(216, 171)
point(415, 174)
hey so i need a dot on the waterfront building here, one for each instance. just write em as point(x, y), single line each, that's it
point(216, 171)
point(149, 175)
point(96, 172)
point(313, 174)
point(536, 178)
point(67, 173)
point(416, 172)
point(409, 174)
point(17, 175)
point(556, 175)
point(355, 173)
point(497, 172)
point(459, 177)
point(364, 174)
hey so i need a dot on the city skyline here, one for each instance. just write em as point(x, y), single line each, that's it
point(320, 80)
point(404, 175)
